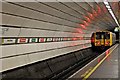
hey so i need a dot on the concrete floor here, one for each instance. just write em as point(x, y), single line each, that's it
point(109, 68)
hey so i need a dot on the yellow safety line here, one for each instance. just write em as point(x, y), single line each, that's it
point(87, 76)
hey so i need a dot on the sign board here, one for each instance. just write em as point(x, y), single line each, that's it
point(8, 41)
point(33, 40)
point(22, 40)
point(42, 39)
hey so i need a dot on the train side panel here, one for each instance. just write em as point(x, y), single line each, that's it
point(113, 38)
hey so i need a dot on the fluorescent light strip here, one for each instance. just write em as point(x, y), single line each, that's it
point(111, 12)
point(106, 3)
point(107, 6)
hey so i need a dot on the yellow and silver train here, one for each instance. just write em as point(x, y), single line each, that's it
point(102, 39)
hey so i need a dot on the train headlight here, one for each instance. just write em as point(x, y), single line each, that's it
point(98, 42)
point(107, 42)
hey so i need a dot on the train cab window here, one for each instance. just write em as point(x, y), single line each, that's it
point(107, 35)
point(98, 35)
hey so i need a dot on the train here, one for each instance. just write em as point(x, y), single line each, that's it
point(102, 40)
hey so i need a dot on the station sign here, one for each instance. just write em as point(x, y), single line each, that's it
point(32, 40)
point(23, 40)
point(74, 39)
point(54, 39)
point(69, 39)
point(64, 39)
point(61, 39)
point(42, 39)
point(8, 41)
point(49, 39)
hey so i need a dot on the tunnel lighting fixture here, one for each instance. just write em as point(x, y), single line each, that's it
point(106, 3)
point(109, 9)
point(111, 12)
point(108, 6)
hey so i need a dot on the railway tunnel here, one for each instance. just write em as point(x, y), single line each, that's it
point(51, 39)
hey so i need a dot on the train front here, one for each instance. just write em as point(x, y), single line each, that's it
point(101, 40)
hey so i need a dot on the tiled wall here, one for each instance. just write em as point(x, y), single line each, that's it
point(62, 25)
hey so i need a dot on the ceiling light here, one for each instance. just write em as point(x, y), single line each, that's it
point(111, 12)
point(109, 9)
point(106, 3)
point(107, 6)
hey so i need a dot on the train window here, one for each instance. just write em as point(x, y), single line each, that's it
point(102, 35)
point(107, 35)
point(98, 35)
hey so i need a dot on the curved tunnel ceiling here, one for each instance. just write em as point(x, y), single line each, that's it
point(79, 17)
point(36, 31)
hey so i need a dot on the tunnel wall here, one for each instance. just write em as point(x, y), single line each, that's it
point(48, 68)
point(55, 33)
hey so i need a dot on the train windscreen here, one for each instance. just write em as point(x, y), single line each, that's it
point(107, 35)
point(102, 35)
point(99, 35)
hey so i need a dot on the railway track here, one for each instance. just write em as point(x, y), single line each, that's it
point(77, 66)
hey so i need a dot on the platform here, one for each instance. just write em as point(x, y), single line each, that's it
point(109, 68)
point(104, 66)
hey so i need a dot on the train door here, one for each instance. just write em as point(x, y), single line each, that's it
point(108, 38)
point(100, 39)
